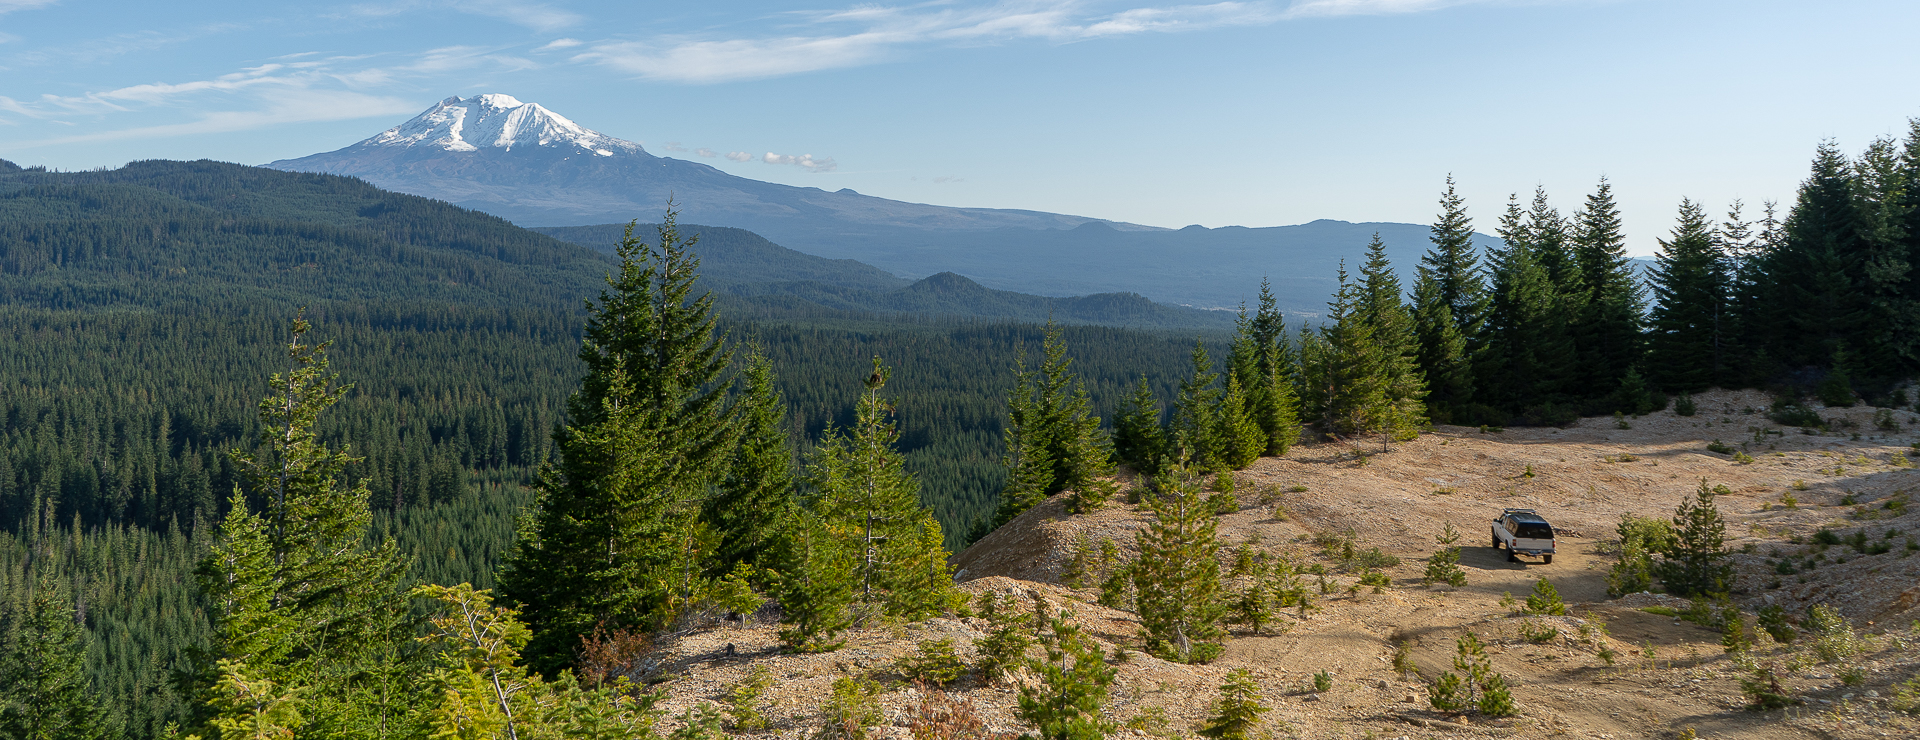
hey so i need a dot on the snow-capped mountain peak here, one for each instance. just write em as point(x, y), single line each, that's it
point(500, 122)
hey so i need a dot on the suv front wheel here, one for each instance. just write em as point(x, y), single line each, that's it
point(1496, 541)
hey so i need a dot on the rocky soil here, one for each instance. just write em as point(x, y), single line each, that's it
point(1666, 675)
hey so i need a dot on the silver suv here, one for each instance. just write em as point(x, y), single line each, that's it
point(1523, 532)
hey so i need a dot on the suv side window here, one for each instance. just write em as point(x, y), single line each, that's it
point(1508, 523)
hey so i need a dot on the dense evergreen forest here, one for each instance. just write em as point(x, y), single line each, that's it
point(146, 308)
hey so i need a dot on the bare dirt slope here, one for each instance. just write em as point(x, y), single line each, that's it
point(1666, 675)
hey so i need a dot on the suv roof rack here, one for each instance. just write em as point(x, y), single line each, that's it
point(1518, 511)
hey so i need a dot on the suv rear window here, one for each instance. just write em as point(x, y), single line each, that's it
point(1534, 531)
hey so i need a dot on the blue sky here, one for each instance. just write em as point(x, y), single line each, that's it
point(1251, 113)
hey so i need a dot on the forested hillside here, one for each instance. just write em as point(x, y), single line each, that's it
point(146, 307)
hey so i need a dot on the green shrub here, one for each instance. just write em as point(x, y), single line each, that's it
point(1906, 696)
point(1403, 659)
point(1538, 632)
point(1322, 681)
point(1450, 693)
point(1444, 567)
point(1836, 390)
point(1833, 637)
point(852, 711)
point(1789, 412)
point(1720, 447)
point(1545, 599)
point(1683, 406)
point(743, 700)
point(1764, 691)
point(935, 663)
point(1237, 711)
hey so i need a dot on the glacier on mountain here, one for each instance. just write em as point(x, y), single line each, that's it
point(496, 121)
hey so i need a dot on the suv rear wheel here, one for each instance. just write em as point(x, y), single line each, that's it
point(1547, 559)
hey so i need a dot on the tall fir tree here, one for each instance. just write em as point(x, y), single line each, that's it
point(296, 595)
point(1817, 308)
point(1449, 308)
point(862, 493)
point(1054, 442)
point(1194, 438)
point(1177, 575)
point(1685, 347)
point(746, 509)
point(1380, 306)
point(1548, 237)
point(1607, 330)
point(1353, 384)
point(1904, 227)
point(1273, 398)
point(616, 539)
point(1890, 341)
point(1139, 438)
point(44, 690)
point(1528, 355)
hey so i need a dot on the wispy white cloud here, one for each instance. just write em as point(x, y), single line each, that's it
point(1331, 8)
point(8, 6)
point(867, 34)
point(870, 33)
point(294, 89)
point(558, 44)
point(740, 156)
point(705, 152)
point(304, 106)
point(533, 15)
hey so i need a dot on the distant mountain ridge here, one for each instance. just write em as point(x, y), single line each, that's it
point(534, 167)
point(748, 269)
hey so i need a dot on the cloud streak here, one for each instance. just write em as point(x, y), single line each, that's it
point(868, 34)
point(8, 6)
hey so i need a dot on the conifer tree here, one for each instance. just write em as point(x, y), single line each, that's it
point(1548, 235)
point(1607, 332)
point(1890, 340)
point(1238, 710)
point(1139, 440)
point(1453, 262)
point(1380, 306)
point(297, 597)
point(815, 583)
point(1177, 576)
point(1272, 385)
point(863, 494)
point(1065, 700)
point(616, 538)
point(1194, 433)
point(1690, 286)
point(1054, 442)
point(1528, 355)
point(1443, 355)
point(1356, 397)
point(1241, 439)
point(1903, 227)
point(1449, 308)
point(1818, 307)
point(746, 510)
point(44, 690)
point(1697, 561)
